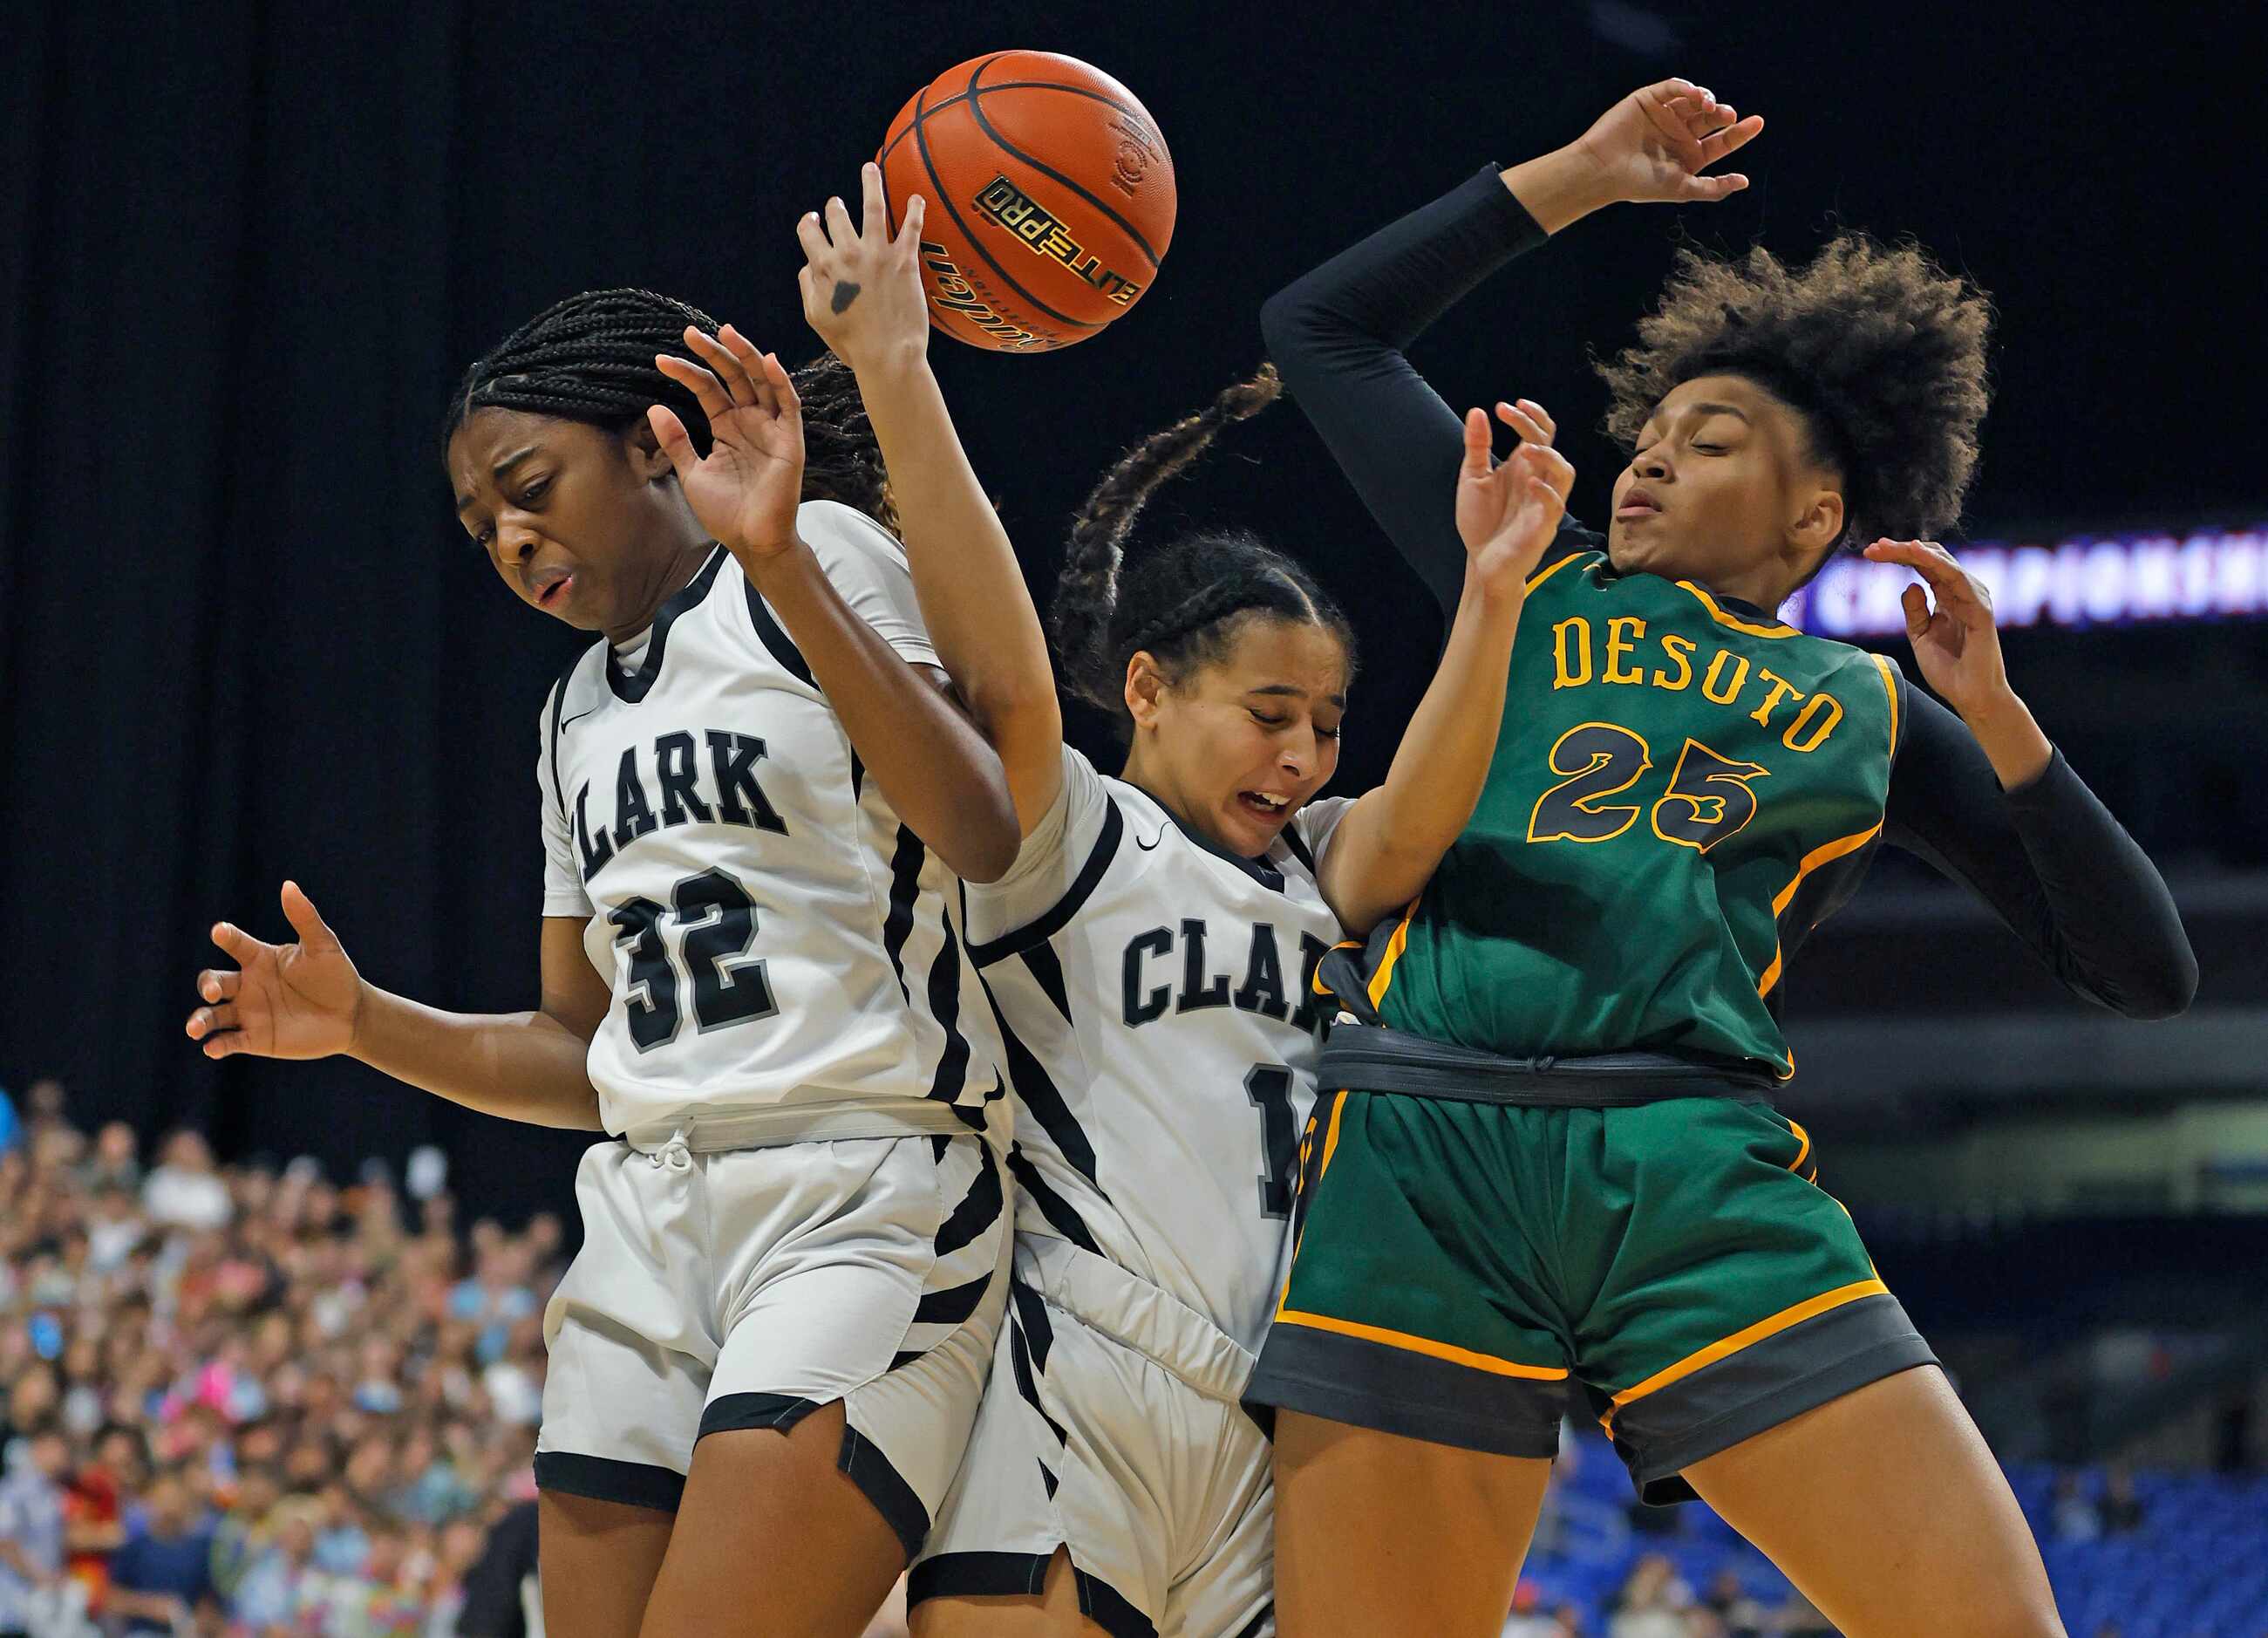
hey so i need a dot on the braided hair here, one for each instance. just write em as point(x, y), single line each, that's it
point(1181, 602)
point(590, 359)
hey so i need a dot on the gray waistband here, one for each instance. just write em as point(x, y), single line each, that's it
point(790, 1123)
point(1363, 1058)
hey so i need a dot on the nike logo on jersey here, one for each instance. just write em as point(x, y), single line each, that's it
point(1151, 843)
point(1201, 989)
point(729, 794)
point(578, 716)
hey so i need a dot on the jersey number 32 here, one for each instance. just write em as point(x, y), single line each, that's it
point(718, 922)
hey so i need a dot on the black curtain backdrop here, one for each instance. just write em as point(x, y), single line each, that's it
point(244, 251)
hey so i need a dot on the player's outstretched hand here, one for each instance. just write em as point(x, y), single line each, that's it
point(745, 491)
point(1956, 642)
point(284, 1000)
point(862, 289)
point(1652, 146)
point(1507, 512)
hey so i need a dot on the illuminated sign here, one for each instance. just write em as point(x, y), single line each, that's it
point(2206, 574)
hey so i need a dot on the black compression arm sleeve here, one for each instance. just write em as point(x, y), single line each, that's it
point(1337, 336)
point(2049, 858)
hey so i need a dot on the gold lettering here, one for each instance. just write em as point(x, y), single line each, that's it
point(1564, 676)
point(1676, 647)
point(1740, 677)
point(1618, 649)
point(1781, 689)
point(1812, 707)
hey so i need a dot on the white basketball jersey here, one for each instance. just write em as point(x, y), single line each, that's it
point(1161, 1034)
point(779, 945)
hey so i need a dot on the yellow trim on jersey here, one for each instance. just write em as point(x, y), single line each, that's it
point(1395, 946)
point(1330, 1137)
point(1315, 981)
point(1542, 575)
point(1883, 663)
point(1825, 853)
point(1796, 1126)
point(1774, 629)
point(1809, 1309)
point(1402, 1339)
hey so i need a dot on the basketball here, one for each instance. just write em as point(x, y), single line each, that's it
point(1050, 198)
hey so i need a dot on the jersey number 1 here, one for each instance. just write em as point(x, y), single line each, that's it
point(719, 921)
point(1269, 1086)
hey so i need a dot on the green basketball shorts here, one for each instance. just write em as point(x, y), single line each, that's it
point(1456, 1264)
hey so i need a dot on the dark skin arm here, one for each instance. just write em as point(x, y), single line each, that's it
point(939, 772)
point(305, 999)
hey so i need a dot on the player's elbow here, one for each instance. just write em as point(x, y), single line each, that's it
point(2167, 991)
point(982, 844)
point(1287, 325)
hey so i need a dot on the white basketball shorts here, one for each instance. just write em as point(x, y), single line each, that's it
point(747, 1288)
point(1112, 1428)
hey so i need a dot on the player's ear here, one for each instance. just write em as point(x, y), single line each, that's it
point(646, 455)
point(1144, 683)
point(1817, 512)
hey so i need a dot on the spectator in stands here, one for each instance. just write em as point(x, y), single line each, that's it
point(2075, 1516)
point(94, 1508)
point(1743, 1616)
point(282, 1588)
point(162, 1574)
point(185, 1192)
point(31, 1526)
point(2121, 1509)
point(1653, 1601)
point(1528, 1618)
point(117, 1162)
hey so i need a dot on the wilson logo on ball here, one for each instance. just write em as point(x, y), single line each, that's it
point(1043, 235)
point(955, 294)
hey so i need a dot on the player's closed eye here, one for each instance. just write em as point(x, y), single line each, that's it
point(1277, 722)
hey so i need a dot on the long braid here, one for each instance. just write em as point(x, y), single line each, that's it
point(1087, 592)
point(590, 359)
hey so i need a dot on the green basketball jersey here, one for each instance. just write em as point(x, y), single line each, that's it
point(1680, 791)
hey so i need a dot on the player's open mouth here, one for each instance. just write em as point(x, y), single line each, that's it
point(553, 591)
point(1262, 805)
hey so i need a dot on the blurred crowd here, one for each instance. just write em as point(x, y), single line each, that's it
point(1655, 1602)
point(254, 1401)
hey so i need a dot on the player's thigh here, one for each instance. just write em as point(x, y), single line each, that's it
point(1378, 1536)
point(1886, 1507)
point(1053, 1613)
point(597, 1561)
point(773, 1537)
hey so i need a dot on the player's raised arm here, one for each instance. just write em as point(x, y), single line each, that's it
point(305, 999)
point(862, 292)
point(1506, 515)
point(929, 759)
point(1338, 334)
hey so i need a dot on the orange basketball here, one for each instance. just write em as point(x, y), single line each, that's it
point(1050, 198)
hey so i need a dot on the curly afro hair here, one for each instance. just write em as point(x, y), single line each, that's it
point(1880, 349)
